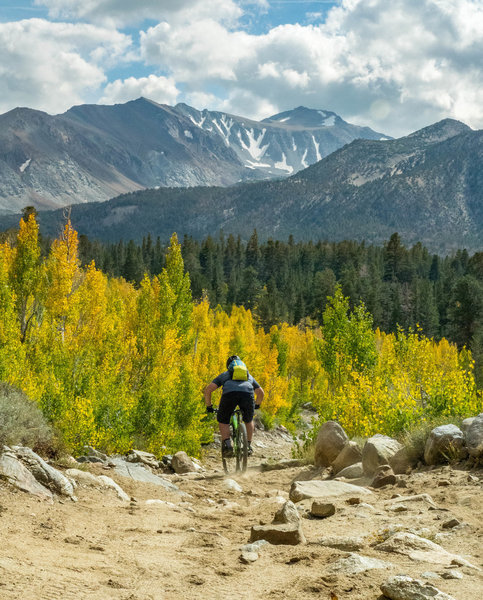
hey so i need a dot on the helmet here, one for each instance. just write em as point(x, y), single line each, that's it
point(231, 359)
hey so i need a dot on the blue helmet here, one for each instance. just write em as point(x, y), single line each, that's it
point(231, 359)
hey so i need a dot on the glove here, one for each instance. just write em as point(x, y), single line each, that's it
point(257, 406)
point(210, 409)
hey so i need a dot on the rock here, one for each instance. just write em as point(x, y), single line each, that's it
point(350, 455)
point(383, 475)
point(420, 549)
point(182, 463)
point(92, 452)
point(89, 459)
point(474, 437)
point(16, 474)
point(83, 477)
point(452, 574)
point(378, 450)
point(255, 547)
point(285, 533)
point(146, 458)
point(347, 544)
point(352, 472)
point(287, 514)
point(444, 443)
point(423, 498)
point(248, 557)
point(44, 473)
point(430, 575)
point(355, 563)
point(325, 490)
point(450, 524)
point(322, 509)
point(400, 462)
point(110, 483)
point(465, 425)
point(138, 472)
point(402, 587)
point(331, 438)
point(232, 485)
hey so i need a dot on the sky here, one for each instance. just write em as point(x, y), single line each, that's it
point(393, 65)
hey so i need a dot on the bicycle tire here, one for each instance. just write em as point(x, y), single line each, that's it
point(242, 448)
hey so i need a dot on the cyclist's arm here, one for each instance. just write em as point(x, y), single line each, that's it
point(209, 389)
point(259, 395)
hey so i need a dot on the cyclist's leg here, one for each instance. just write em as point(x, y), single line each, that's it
point(247, 406)
point(225, 409)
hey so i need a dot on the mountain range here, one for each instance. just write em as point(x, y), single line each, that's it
point(92, 153)
point(427, 186)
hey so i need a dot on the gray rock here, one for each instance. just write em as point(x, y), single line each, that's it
point(350, 454)
point(138, 472)
point(248, 557)
point(400, 462)
point(452, 574)
point(377, 451)
point(384, 475)
point(90, 451)
point(444, 443)
point(15, 473)
point(288, 534)
point(322, 509)
point(110, 483)
point(182, 463)
point(44, 473)
point(232, 485)
point(287, 514)
point(355, 563)
point(146, 458)
point(347, 544)
point(352, 472)
point(416, 498)
point(89, 459)
point(331, 438)
point(474, 437)
point(403, 587)
point(465, 425)
point(325, 490)
point(255, 547)
point(420, 549)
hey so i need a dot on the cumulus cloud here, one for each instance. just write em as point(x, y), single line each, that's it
point(125, 12)
point(394, 65)
point(52, 66)
point(158, 88)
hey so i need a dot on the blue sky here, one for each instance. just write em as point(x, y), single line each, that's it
point(394, 65)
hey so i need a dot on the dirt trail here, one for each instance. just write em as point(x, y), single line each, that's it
point(189, 547)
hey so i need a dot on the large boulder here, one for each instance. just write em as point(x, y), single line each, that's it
point(330, 441)
point(444, 443)
point(15, 473)
point(45, 474)
point(349, 455)
point(377, 451)
point(325, 490)
point(403, 587)
point(182, 463)
point(401, 461)
point(352, 472)
point(474, 437)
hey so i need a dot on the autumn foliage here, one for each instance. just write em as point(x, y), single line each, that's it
point(116, 366)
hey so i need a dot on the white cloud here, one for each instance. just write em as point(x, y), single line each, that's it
point(52, 66)
point(125, 12)
point(160, 89)
point(421, 59)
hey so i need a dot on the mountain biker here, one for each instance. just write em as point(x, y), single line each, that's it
point(235, 393)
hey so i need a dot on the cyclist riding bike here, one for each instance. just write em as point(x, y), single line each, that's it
point(236, 392)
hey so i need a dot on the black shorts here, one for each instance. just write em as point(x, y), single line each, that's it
point(230, 401)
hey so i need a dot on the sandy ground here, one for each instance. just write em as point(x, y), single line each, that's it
point(101, 548)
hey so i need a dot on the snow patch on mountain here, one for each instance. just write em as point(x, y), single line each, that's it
point(188, 134)
point(303, 162)
point(282, 165)
point(24, 165)
point(317, 149)
point(254, 147)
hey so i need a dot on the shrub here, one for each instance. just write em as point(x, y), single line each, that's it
point(22, 422)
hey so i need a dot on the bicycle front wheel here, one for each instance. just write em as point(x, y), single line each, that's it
point(241, 448)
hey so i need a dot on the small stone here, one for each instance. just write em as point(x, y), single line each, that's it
point(322, 509)
point(287, 514)
point(398, 508)
point(452, 574)
point(285, 533)
point(355, 563)
point(353, 501)
point(384, 475)
point(402, 587)
point(248, 558)
point(444, 483)
point(430, 575)
point(232, 485)
point(451, 523)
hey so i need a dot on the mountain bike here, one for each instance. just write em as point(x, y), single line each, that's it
point(238, 434)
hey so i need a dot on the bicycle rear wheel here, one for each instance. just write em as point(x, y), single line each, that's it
point(241, 448)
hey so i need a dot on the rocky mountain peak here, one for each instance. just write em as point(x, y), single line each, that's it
point(440, 131)
point(305, 117)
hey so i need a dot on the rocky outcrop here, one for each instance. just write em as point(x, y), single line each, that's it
point(17, 475)
point(331, 439)
point(444, 443)
point(377, 451)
